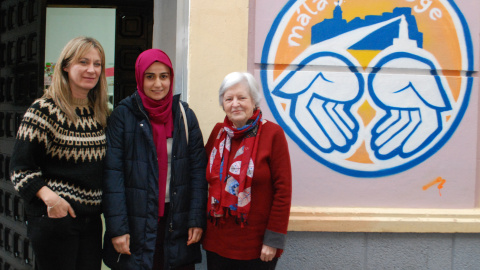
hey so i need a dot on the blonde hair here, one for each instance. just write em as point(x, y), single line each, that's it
point(60, 90)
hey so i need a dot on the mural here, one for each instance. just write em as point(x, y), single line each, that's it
point(368, 88)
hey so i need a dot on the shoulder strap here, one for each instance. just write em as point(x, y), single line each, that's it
point(184, 119)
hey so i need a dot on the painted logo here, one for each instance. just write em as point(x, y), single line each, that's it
point(368, 88)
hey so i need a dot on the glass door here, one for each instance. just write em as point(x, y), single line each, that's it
point(63, 24)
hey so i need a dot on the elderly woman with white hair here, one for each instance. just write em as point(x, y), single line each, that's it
point(250, 182)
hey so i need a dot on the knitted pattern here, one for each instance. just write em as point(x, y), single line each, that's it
point(50, 150)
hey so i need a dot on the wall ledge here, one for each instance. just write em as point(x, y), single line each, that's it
point(396, 220)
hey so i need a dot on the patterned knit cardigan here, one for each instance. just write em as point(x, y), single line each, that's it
point(50, 150)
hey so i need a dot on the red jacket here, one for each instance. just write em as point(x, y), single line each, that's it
point(270, 205)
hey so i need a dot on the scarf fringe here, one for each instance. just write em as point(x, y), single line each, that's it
point(240, 219)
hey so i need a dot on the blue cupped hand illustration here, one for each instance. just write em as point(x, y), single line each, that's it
point(413, 102)
point(321, 100)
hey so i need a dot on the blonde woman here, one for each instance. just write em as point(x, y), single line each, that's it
point(57, 161)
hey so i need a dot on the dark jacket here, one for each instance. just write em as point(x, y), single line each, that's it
point(130, 190)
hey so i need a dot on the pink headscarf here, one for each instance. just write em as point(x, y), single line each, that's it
point(160, 116)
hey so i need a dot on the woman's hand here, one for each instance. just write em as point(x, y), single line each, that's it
point(194, 235)
point(268, 253)
point(60, 209)
point(122, 244)
point(57, 207)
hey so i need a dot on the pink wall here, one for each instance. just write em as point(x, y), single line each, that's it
point(336, 149)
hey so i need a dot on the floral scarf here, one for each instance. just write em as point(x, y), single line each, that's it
point(231, 184)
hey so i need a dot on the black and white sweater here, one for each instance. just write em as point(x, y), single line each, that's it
point(50, 150)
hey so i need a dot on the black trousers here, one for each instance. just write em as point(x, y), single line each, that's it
point(66, 243)
point(158, 258)
point(217, 262)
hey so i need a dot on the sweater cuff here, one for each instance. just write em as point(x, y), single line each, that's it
point(274, 239)
point(27, 183)
point(30, 193)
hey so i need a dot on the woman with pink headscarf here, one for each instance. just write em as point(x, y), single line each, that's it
point(155, 190)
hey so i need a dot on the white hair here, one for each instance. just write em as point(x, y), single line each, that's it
point(245, 78)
